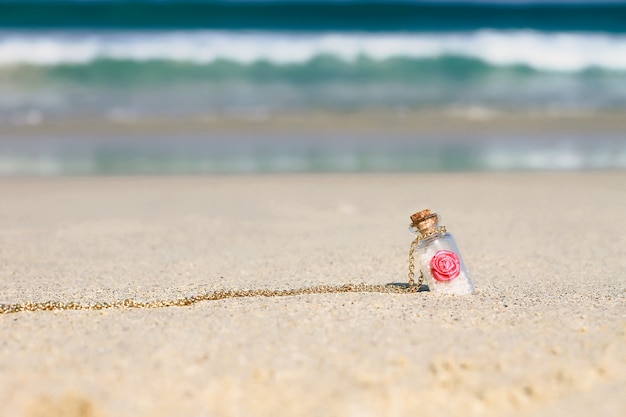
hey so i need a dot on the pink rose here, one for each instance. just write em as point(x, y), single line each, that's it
point(445, 265)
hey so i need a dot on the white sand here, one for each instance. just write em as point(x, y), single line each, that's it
point(545, 335)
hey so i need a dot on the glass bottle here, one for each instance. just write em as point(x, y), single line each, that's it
point(437, 256)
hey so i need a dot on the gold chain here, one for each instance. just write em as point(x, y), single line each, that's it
point(223, 294)
point(414, 244)
point(420, 281)
point(209, 296)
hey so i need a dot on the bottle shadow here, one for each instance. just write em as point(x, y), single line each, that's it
point(406, 286)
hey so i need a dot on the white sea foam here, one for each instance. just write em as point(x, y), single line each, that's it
point(543, 51)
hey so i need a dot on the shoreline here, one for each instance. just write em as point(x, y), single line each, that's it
point(367, 141)
point(470, 121)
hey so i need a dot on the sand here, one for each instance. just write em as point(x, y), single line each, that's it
point(544, 335)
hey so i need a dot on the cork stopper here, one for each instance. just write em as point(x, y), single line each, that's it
point(425, 221)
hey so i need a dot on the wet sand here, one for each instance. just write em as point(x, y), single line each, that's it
point(471, 139)
point(468, 121)
point(544, 335)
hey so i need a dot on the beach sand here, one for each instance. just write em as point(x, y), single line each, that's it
point(544, 335)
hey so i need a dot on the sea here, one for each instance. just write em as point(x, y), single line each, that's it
point(135, 60)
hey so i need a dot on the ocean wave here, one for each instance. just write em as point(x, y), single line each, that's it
point(562, 52)
point(450, 71)
point(325, 81)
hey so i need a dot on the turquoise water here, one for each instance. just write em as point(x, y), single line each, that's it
point(133, 60)
point(318, 15)
point(156, 56)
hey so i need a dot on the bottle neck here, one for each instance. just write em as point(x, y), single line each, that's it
point(428, 227)
point(432, 233)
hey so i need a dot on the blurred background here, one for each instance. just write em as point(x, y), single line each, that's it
point(113, 87)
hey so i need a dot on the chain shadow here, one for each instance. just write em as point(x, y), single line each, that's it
point(406, 286)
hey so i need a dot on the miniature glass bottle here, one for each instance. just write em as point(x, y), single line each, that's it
point(437, 256)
